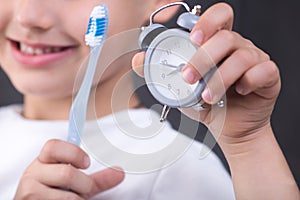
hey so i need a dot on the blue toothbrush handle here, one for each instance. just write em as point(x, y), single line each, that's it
point(95, 36)
point(79, 105)
point(73, 133)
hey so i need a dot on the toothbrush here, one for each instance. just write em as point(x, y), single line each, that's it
point(94, 37)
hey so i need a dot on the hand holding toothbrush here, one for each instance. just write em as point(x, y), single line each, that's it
point(48, 176)
point(56, 172)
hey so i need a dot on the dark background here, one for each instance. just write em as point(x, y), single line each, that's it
point(272, 25)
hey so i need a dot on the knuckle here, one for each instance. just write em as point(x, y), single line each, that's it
point(272, 69)
point(89, 186)
point(89, 190)
point(29, 195)
point(67, 174)
point(256, 51)
point(27, 174)
point(77, 156)
point(249, 42)
point(48, 150)
point(265, 56)
point(229, 36)
point(52, 142)
point(247, 55)
point(251, 45)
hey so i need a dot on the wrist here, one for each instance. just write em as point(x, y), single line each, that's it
point(258, 166)
point(248, 143)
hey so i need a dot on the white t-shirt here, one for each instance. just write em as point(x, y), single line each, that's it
point(171, 169)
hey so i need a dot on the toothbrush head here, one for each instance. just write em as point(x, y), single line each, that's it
point(98, 25)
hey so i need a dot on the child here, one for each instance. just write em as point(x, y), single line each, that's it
point(42, 48)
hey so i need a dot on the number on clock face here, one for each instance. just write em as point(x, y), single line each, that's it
point(170, 56)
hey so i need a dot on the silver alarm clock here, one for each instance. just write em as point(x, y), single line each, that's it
point(167, 52)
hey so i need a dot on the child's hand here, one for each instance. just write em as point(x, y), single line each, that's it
point(252, 83)
point(250, 78)
point(49, 177)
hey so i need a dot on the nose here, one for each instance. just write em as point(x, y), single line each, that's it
point(34, 14)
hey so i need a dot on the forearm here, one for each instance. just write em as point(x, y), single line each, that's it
point(258, 167)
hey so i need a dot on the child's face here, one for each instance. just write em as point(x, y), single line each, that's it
point(42, 42)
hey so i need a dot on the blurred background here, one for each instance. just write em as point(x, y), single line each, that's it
point(274, 27)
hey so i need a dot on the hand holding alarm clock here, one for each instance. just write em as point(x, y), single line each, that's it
point(167, 52)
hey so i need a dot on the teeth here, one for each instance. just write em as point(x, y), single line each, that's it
point(47, 50)
point(38, 51)
point(29, 50)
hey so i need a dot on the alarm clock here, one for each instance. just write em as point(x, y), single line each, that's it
point(167, 52)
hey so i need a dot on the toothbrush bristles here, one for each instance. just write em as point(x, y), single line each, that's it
point(97, 27)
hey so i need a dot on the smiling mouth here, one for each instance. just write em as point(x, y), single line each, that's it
point(39, 54)
point(37, 50)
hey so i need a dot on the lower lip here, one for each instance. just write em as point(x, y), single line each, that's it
point(38, 60)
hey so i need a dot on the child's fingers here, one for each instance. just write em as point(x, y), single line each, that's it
point(216, 18)
point(64, 176)
point(55, 193)
point(35, 190)
point(263, 79)
point(105, 180)
point(219, 16)
point(220, 46)
point(138, 63)
point(67, 178)
point(231, 70)
point(57, 151)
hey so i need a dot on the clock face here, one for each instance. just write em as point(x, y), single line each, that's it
point(167, 54)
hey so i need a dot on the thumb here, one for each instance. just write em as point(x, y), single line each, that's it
point(106, 179)
point(138, 63)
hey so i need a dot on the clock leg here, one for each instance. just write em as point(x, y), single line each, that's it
point(164, 113)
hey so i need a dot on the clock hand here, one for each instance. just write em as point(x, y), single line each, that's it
point(178, 69)
point(166, 64)
point(173, 72)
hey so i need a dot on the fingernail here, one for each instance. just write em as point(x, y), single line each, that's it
point(117, 168)
point(86, 161)
point(206, 96)
point(188, 75)
point(241, 90)
point(197, 37)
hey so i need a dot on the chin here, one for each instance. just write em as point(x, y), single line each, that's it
point(43, 89)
